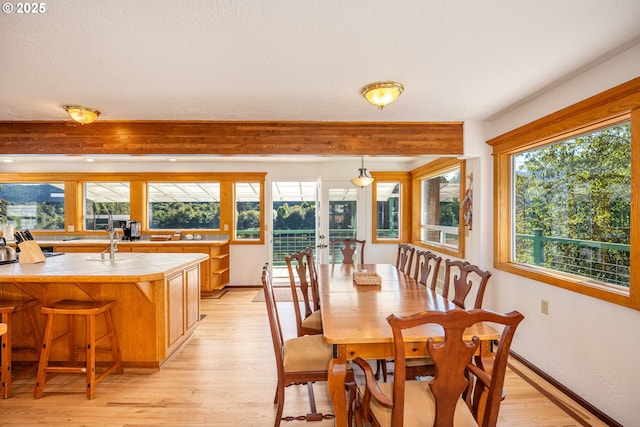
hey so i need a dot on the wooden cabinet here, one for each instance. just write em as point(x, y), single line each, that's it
point(183, 304)
point(214, 275)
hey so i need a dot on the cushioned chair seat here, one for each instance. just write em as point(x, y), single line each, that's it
point(307, 353)
point(314, 321)
point(419, 407)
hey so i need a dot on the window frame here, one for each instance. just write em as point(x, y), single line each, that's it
point(434, 168)
point(74, 197)
point(615, 105)
point(404, 178)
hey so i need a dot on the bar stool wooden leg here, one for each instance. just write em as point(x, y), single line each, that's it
point(115, 345)
point(91, 356)
point(5, 355)
point(8, 311)
point(44, 356)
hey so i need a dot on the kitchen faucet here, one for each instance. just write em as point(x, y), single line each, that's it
point(113, 241)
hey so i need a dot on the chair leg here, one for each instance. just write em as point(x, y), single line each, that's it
point(280, 400)
point(90, 358)
point(44, 357)
point(115, 346)
point(381, 367)
point(352, 387)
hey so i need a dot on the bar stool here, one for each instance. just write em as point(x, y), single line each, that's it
point(72, 309)
point(8, 342)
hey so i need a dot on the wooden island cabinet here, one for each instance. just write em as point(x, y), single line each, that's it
point(214, 272)
point(157, 294)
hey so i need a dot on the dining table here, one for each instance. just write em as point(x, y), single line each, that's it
point(354, 319)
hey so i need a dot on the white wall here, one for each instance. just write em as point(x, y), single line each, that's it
point(588, 345)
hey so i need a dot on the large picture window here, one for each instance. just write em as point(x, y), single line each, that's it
point(563, 207)
point(184, 205)
point(106, 204)
point(33, 206)
point(572, 205)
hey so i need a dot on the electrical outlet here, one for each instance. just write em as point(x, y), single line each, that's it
point(71, 229)
point(226, 227)
point(544, 306)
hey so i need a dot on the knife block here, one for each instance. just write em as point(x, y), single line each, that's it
point(30, 252)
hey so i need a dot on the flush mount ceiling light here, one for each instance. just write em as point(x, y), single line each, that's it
point(381, 94)
point(81, 114)
point(363, 180)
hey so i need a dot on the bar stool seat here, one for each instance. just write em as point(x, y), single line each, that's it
point(9, 341)
point(72, 309)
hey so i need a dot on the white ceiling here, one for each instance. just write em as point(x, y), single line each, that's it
point(459, 60)
point(299, 59)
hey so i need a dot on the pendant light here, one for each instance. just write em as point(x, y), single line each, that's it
point(363, 180)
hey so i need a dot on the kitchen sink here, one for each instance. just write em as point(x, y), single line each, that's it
point(118, 257)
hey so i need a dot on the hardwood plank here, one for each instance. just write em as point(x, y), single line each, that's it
point(223, 376)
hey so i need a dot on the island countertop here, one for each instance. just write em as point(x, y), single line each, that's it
point(214, 272)
point(127, 267)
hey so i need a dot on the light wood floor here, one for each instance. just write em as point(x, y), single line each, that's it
point(223, 376)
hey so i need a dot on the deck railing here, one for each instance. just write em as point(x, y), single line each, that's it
point(603, 261)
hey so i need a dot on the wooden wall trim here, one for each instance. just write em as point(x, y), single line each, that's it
point(197, 137)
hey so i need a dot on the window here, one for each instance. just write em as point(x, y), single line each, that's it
point(34, 206)
point(104, 202)
point(392, 218)
point(248, 212)
point(184, 205)
point(563, 211)
point(438, 187)
point(572, 205)
point(387, 210)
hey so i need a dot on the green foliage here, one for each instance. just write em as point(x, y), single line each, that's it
point(185, 215)
point(578, 189)
point(300, 216)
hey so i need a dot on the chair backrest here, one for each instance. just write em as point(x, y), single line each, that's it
point(427, 268)
point(405, 257)
point(274, 319)
point(457, 372)
point(464, 276)
point(313, 278)
point(299, 280)
point(348, 247)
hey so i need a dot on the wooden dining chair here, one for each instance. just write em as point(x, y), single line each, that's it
point(463, 392)
point(308, 317)
point(299, 360)
point(405, 257)
point(427, 268)
point(350, 249)
point(464, 276)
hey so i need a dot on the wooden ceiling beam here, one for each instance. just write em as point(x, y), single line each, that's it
point(232, 138)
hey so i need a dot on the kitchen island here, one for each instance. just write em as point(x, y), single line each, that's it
point(214, 272)
point(158, 296)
